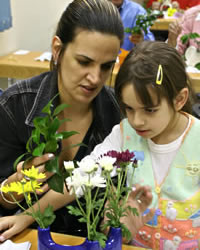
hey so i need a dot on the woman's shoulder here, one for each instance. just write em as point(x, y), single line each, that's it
point(25, 86)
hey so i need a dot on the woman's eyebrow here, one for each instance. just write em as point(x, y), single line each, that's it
point(90, 59)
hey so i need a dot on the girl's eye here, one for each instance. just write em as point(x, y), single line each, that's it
point(150, 110)
point(127, 108)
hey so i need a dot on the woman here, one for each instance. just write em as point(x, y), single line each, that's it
point(84, 50)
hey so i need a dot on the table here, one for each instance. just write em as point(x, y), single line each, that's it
point(162, 23)
point(31, 235)
point(195, 81)
point(22, 66)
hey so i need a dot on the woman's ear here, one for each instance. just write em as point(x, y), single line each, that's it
point(181, 99)
point(56, 47)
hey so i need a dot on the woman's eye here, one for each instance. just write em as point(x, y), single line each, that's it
point(107, 66)
point(84, 63)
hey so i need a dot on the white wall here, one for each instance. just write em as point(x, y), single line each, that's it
point(34, 23)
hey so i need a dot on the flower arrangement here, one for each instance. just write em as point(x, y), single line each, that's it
point(29, 185)
point(89, 175)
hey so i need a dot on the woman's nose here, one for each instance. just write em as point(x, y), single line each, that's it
point(94, 75)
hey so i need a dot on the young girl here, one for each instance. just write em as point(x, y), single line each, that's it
point(154, 93)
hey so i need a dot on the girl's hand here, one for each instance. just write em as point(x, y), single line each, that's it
point(12, 225)
point(140, 198)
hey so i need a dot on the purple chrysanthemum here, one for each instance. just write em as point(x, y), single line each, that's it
point(123, 158)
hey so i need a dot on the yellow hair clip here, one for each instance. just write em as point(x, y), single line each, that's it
point(159, 76)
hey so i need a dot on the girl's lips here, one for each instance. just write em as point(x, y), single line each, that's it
point(141, 132)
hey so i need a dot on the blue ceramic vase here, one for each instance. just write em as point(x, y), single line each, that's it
point(45, 242)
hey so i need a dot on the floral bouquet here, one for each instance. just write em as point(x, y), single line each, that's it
point(91, 174)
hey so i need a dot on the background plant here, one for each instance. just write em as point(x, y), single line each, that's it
point(194, 36)
point(28, 185)
point(45, 138)
point(143, 22)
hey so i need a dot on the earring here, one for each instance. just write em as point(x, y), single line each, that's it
point(55, 63)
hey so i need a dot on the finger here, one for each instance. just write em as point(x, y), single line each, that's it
point(42, 159)
point(47, 176)
point(149, 216)
point(44, 188)
point(9, 233)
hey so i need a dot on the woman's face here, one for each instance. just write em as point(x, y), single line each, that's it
point(86, 65)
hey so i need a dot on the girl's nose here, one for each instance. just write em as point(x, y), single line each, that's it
point(137, 120)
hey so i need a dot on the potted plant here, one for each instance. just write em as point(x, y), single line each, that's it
point(89, 175)
point(82, 178)
point(143, 22)
point(192, 53)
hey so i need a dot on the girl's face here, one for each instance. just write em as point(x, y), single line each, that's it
point(86, 65)
point(149, 122)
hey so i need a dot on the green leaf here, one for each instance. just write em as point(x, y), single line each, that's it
point(82, 220)
point(60, 108)
point(58, 136)
point(39, 150)
point(74, 210)
point(48, 216)
point(18, 160)
point(67, 134)
point(56, 182)
point(53, 166)
point(197, 66)
point(41, 124)
point(53, 127)
point(101, 238)
point(36, 136)
point(51, 146)
point(47, 108)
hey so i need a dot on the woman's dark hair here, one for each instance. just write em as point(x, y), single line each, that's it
point(93, 15)
point(140, 68)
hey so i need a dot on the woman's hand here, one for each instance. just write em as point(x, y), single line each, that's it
point(12, 225)
point(140, 198)
point(38, 162)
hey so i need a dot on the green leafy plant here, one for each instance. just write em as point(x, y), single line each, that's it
point(143, 22)
point(90, 175)
point(28, 186)
point(185, 39)
point(45, 138)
